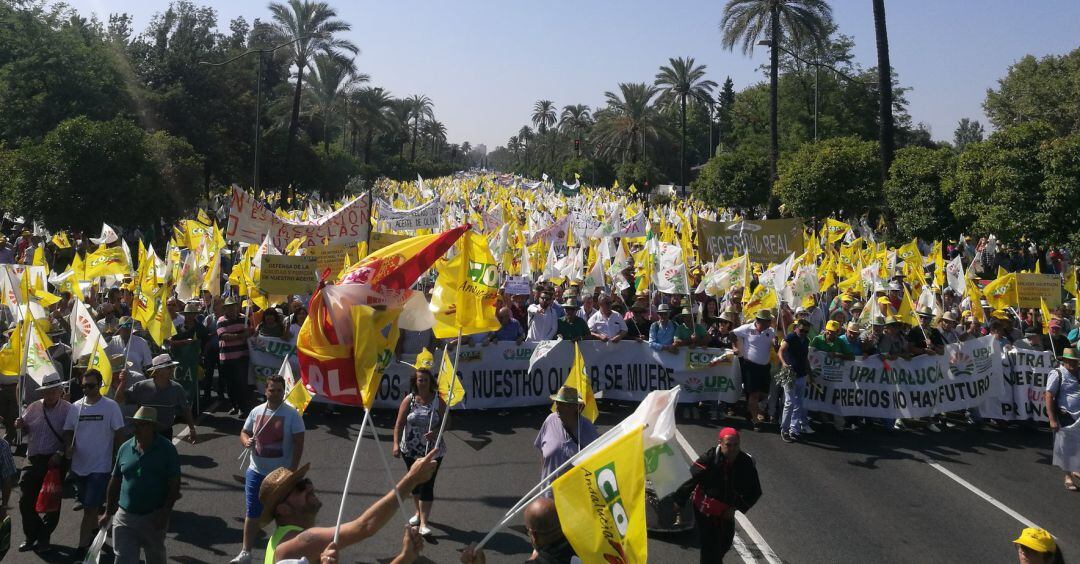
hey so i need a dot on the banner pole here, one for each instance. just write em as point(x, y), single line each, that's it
point(450, 393)
point(386, 465)
point(513, 512)
point(348, 477)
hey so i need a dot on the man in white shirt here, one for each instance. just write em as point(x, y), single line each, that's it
point(133, 347)
point(754, 345)
point(606, 325)
point(91, 434)
point(543, 319)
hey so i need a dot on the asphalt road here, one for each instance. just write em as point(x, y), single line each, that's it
point(860, 496)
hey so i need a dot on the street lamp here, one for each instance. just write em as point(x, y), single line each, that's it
point(817, 67)
point(258, 93)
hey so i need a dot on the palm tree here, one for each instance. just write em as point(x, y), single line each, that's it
point(524, 136)
point(372, 114)
point(420, 108)
point(313, 25)
point(750, 21)
point(575, 119)
point(437, 131)
point(513, 145)
point(543, 115)
point(628, 118)
point(677, 82)
point(885, 93)
point(330, 78)
point(399, 114)
point(466, 148)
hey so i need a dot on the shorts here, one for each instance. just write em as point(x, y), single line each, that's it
point(425, 491)
point(252, 481)
point(756, 377)
point(90, 489)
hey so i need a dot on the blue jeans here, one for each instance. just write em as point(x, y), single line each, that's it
point(794, 413)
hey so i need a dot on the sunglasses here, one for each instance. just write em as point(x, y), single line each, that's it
point(302, 485)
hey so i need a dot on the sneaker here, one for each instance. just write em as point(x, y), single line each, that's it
point(243, 558)
point(795, 437)
point(807, 429)
point(414, 521)
point(786, 437)
point(934, 428)
point(424, 531)
point(899, 425)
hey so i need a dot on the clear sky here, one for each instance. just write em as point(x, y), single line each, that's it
point(484, 63)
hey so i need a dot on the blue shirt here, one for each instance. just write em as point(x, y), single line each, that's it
point(509, 332)
point(661, 335)
point(273, 430)
point(855, 346)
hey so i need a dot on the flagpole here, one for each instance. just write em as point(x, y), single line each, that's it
point(513, 513)
point(348, 477)
point(386, 465)
point(450, 393)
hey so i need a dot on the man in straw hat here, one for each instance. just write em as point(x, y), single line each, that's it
point(1062, 398)
point(144, 486)
point(564, 432)
point(925, 338)
point(164, 394)
point(288, 498)
point(43, 424)
point(755, 344)
point(130, 347)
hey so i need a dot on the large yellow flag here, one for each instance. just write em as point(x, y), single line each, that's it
point(835, 230)
point(578, 378)
point(12, 351)
point(1001, 293)
point(1045, 311)
point(468, 285)
point(99, 361)
point(1070, 281)
point(375, 335)
point(762, 298)
point(450, 389)
point(160, 325)
point(601, 503)
point(906, 312)
point(975, 295)
point(105, 261)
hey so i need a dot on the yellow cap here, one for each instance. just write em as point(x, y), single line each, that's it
point(1000, 314)
point(883, 300)
point(1036, 539)
point(424, 360)
point(847, 298)
point(832, 325)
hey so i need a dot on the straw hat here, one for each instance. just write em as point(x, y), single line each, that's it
point(925, 312)
point(663, 308)
point(571, 303)
point(145, 413)
point(192, 307)
point(1069, 353)
point(730, 316)
point(51, 381)
point(568, 394)
point(275, 488)
point(161, 361)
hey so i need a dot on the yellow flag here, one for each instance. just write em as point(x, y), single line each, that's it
point(297, 395)
point(61, 240)
point(1001, 293)
point(100, 361)
point(105, 261)
point(835, 230)
point(578, 378)
point(375, 335)
point(11, 353)
point(601, 503)
point(160, 325)
point(1070, 281)
point(907, 310)
point(975, 294)
point(450, 389)
point(468, 285)
point(1045, 311)
point(203, 218)
point(761, 299)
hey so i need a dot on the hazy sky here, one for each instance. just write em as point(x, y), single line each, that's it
point(484, 63)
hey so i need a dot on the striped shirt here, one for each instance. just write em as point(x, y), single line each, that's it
point(42, 440)
point(229, 350)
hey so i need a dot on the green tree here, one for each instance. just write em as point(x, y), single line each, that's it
point(967, 132)
point(331, 77)
point(996, 187)
point(839, 176)
point(627, 120)
point(913, 193)
point(725, 103)
point(576, 120)
point(747, 22)
point(543, 115)
point(679, 81)
point(420, 108)
point(313, 25)
point(1038, 90)
point(86, 172)
point(736, 179)
point(1060, 159)
point(371, 115)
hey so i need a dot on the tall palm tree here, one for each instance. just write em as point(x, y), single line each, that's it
point(543, 115)
point(525, 135)
point(313, 25)
point(678, 81)
point(747, 22)
point(437, 132)
point(513, 145)
point(628, 118)
point(328, 81)
point(885, 92)
point(576, 119)
point(372, 114)
point(399, 114)
point(466, 148)
point(421, 109)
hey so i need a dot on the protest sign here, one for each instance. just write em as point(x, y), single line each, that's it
point(770, 240)
point(250, 221)
point(425, 216)
point(380, 240)
point(965, 376)
point(499, 375)
point(331, 257)
point(517, 286)
point(283, 274)
point(266, 355)
point(1031, 286)
point(1026, 373)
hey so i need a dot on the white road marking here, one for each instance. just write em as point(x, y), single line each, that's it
point(1008, 511)
point(741, 547)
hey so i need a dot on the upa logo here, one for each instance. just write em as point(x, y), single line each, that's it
point(961, 363)
point(608, 483)
point(694, 385)
point(484, 274)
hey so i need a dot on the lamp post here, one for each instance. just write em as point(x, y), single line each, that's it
point(258, 94)
point(817, 67)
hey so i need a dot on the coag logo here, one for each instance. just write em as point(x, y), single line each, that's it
point(608, 483)
point(484, 274)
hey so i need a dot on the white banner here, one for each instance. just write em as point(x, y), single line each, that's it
point(420, 217)
point(250, 221)
point(498, 375)
point(1026, 373)
point(265, 357)
point(965, 376)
